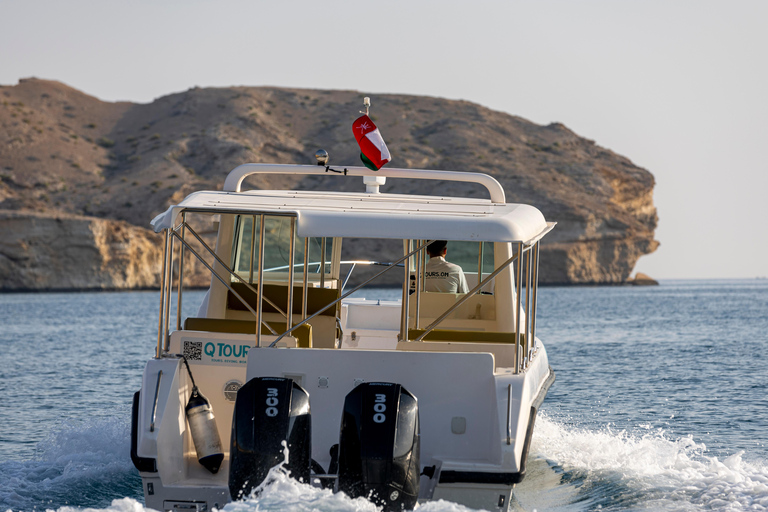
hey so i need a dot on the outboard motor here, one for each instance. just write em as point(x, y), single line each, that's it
point(202, 426)
point(379, 445)
point(269, 411)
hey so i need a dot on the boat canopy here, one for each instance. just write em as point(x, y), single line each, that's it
point(361, 215)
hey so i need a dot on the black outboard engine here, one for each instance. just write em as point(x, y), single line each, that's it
point(379, 445)
point(268, 411)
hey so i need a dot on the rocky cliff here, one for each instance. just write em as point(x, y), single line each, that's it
point(80, 178)
point(63, 252)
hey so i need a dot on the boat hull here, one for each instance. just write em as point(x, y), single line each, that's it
point(476, 418)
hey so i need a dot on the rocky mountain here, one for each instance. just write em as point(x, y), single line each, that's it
point(81, 178)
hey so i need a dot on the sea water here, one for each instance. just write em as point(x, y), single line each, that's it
point(660, 402)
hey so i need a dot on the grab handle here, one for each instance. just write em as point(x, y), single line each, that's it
point(154, 406)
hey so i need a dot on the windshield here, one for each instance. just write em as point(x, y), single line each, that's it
point(277, 250)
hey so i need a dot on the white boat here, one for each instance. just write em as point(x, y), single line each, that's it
point(433, 396)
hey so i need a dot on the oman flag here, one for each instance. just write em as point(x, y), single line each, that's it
point(373, 150)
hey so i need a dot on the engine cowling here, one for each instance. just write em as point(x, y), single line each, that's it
point(268, 411)
point(379, 445)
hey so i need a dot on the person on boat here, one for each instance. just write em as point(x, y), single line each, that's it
point(441, 275)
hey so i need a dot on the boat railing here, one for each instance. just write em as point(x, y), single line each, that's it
point(525, 334)
point(526, 286)
point(163, 340)
point(353, 290)
point(235, 178)
point(466, 297)
point(232, 272)
point(178, 234)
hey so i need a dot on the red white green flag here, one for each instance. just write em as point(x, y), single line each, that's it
point(373, 150)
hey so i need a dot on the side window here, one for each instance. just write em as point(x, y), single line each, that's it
point(467, 256)
point(315, 250)
point(245, 233)
point(277, 244)
point(277, 250)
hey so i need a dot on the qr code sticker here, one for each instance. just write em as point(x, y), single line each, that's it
point(193, 350)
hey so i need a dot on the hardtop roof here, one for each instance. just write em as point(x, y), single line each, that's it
point(374, 215)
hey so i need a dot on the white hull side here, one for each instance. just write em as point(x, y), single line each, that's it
point(474, 420)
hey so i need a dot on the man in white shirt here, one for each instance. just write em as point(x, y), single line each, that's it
point(440, 275)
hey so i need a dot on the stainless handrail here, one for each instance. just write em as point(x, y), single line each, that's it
point(181, 275)
point(342, 262)
point(349, 274)
point(154, 406)
point(253, 247)
point(292, 255)
point(322, 262)
point(518, 296)
point(466, 297)
point(528, 277)
point(480, 263)
point(304, 283)
point(406, 295)
point(354, 264)
point(236, 176)
point(419, 272)
point(169, 286)
point(162, 297)
point(260, 307)
point(353, 290)
point(509, 414)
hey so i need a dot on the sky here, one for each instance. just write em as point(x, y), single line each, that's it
point(679, 87)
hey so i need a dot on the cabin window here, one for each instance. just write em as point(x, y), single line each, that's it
point(277, 250)
point(467, 256)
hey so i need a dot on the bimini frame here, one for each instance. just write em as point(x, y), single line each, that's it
point(179, 232)
point(525, 350)
point(526, 285)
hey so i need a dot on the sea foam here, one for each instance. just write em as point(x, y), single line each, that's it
point(84, 464)
point(86, 467)
point(645, 471)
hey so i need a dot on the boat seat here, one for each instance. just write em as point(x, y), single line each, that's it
point(317, 298)
point(303, 334)
point(503, 354)
point(465, 336)
point(434, 304)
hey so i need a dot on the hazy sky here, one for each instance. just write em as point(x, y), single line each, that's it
point(679, 87)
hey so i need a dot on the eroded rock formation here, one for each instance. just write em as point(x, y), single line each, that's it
point(80, 178)
point(58, 251)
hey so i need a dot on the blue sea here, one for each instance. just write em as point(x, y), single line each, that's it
point(660, 403)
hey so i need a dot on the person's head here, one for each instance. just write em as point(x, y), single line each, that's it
point(437, 248)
